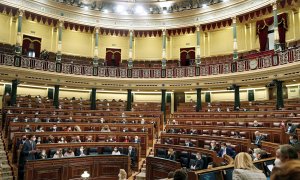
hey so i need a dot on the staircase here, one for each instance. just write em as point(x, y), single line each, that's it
point(142, 174)
point(5, 168)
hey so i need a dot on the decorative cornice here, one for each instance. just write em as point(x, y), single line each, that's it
point(156, 21)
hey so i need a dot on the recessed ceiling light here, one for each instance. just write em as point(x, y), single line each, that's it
point(294, 80)
point(105, 11)
point(165, 12)
point(204, 5)
point(120, 9)
point(86, 7)
point(139, 10)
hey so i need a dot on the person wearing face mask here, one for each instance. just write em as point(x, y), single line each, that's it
point(43, 154)
point(136, 139)
point(258, 138)
point(29, 148)
point(81, 151)
point(294, 141)
point(39, 129)
point(259, 154)
point(21, 141)
point(132, 155)
point(58, 154)
point(54, 128)
point(62, 140)
point(213, 146)
point(116, 151)
point(244, 169)
point(171, 154)
point(69, 153)
point(27, 128)
point(284, 154)
point(226, 150)
point(290, 128)
point(39, 140)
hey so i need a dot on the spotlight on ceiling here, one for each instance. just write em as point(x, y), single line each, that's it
point(86, 7)
point(105, 11)
point(140, 10)
point(120, 8)
point(204, 5)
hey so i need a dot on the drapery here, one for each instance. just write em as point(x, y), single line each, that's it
point(113, 57)
point(31, 43)
point(187, 55)
point(262, 29)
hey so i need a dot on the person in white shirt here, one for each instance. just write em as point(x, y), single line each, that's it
point(58, 154)
point(62, 140)
point(143, 121)
point(116, 151)
point(81, 150)
point(39, 129)
point(102, 120)
point(69, 153)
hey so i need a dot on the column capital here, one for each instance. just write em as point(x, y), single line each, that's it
point(61, 23)
point(97, 29)
point(233, 19)
point(198, 27)
point(131, 30)
point(21, 12)
point(274, 5)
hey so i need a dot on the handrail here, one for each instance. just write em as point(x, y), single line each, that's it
point(269, 60)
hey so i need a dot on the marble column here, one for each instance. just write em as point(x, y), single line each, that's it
point(276, 33)
point(235, 46)
point(164, 54)
point(198, 52)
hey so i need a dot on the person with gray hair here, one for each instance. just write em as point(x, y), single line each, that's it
point(180, 174)
point(285, 153)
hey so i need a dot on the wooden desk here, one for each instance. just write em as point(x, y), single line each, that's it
point(276, 135)
point(242, 145)
point(98, 145)
point(158, 168)
point(100, 167)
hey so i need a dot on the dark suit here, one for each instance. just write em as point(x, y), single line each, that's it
point(132, 156)
point(229, 152)
point(199, 164)
point(216, 148)
point(259, 139)
point(171, 157)
point(291, 129)
point(27, 147)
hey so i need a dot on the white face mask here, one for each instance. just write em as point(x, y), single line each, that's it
point(277, 162)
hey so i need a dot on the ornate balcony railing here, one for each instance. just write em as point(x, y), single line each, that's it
point(255, 62)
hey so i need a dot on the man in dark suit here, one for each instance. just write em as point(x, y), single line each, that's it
point(21, 141)
point(291, 128)
point(198, 164)
point(214, 146)
point(132, 155)
point(226, 150)
point(29, 148)
point(258, 138)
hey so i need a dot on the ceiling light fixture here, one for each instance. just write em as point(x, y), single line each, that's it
point(140, 10)
point(86, 7)
point(119, 8)
point(204, 5)
point(105, 11)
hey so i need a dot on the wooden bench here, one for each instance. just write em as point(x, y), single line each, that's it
point(240, 145)
point(99, 167)
point(276, 135)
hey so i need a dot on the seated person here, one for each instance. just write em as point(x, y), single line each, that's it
point(214, 146)
point(36, 119)
point(77, 128)
point(116, 151)
point(69, 153)
point(76, 139)
point(54, 128)
point(258, 138)
point(226, 150)
point(256, 124)
point(294, 141)
point(102, 120)
point(58, 154)
point(110, 139)
point(68, 129)
point(126, 139)
point(39, 129)
point(38, 140)
point(50, 139)
point(174, 122)
point(27, 128)
point(188, 143)
point(136, 139)
point(143, 129)
point(89, 139)
point(259, 154)
point(290, 127)
point(125, 129)
point(193, 131)
point(171, 154)
point(123, 121)
point(81, 151)
point(143, 121)
point(211, 165)
point(43, 155)
point(198, 164)
point(62, 140)
point(26, 119)
point(105, 129)
point(16, 119)
point(236, 134)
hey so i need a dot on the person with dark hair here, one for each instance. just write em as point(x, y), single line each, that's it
point(288, 171)
point(180, 174)
point(290, 127)
point(171, 154)
point(285, 153)
point(294, 141)
point(29, 148)
point(226, 150)
point(170, 175)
